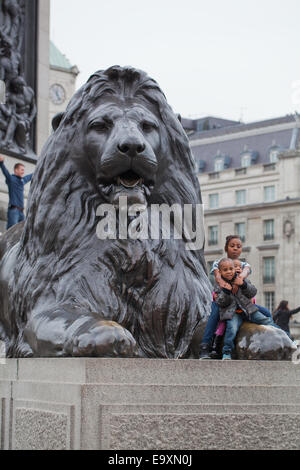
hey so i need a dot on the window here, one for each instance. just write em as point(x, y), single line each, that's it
point(210, 276)
point(213, 234)
point(274, 155)
point(219, 164)
point(270, 301)
point(248, 157)
point(246, 160)
point(269, 270)
point(213, 201)
point(269, 229)
point(201, 166)
point(269, 193)
point(240, 230)
point(240, 197)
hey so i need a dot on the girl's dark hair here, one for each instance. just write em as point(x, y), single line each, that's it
point(228, 239)
point(282, 306)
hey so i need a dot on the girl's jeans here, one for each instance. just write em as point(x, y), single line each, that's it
point(214, 318)
point(234, 324)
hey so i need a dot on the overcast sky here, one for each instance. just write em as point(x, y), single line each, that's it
point(226, 58)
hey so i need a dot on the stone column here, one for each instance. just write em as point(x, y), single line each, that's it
point(43, 74)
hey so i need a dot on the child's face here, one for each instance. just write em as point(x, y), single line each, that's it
point(227, 270)
point(234, 248)
point(237, 266)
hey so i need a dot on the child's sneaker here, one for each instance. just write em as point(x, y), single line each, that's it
point(226, 357)
point(204, 351)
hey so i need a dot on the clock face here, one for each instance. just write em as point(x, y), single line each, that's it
point(57, 94)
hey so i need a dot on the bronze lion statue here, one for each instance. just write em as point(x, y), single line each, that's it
point(64, 291)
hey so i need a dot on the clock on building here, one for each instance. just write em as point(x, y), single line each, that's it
point(57, 93)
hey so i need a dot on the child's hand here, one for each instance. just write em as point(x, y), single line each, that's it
point(238, 281)
point(224, 285)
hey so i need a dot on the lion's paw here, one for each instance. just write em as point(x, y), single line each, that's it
point(103, 339)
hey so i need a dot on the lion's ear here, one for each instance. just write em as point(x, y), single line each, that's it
point(56, 120)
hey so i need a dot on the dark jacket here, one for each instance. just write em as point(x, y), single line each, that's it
point(229, 302)
point(15, 186)
point(282, 318)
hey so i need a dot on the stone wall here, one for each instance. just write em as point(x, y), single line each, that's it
point(123, 404)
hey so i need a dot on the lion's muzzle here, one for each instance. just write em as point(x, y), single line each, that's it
point(132, 145)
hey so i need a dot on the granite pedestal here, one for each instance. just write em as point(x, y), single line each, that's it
point(149, 404)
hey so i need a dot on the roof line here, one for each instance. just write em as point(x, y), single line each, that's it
point(245, 207)
point(245, 133)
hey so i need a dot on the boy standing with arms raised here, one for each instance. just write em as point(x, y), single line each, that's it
point(15, 183)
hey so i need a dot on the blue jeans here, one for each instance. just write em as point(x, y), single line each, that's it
point(214, 319)
point(212, 323)
point(14, 216)
point(233, 325)
point(264, 311)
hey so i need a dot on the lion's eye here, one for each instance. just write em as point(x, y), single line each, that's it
point(100, 126)
point(148, 126)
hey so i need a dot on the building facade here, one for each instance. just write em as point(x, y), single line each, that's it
point(62, 82)
point(250, 183)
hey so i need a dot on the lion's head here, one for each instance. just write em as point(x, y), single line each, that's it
point(118, 136)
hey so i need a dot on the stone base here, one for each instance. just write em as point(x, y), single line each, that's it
point(124, 404)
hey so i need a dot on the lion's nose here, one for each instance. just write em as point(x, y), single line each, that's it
point(131, 146)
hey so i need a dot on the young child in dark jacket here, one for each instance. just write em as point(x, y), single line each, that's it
point(238, 307)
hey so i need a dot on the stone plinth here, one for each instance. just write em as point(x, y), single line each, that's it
point(149, 404)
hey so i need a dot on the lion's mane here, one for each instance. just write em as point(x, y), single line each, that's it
point(60, 233)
